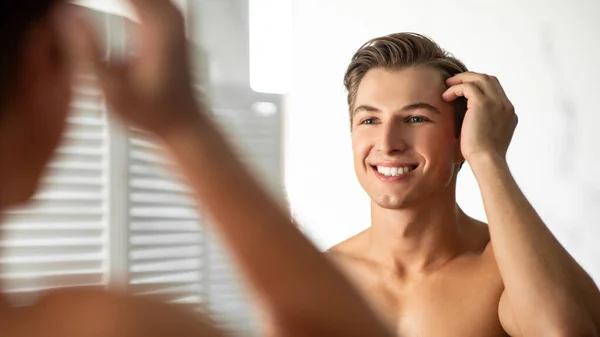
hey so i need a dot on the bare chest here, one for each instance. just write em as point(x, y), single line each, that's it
point(457, 304)
point(440, 312)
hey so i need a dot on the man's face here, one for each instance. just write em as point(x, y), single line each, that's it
point(403, 136)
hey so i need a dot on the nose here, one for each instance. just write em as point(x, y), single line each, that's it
point(391, 140)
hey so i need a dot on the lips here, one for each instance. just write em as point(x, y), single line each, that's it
point(393, 172)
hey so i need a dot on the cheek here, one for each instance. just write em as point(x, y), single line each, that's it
point(361, 148)
point(437, 145)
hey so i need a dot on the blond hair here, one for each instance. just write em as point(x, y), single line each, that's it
point(399, 51)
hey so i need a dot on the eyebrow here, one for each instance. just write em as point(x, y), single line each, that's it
point(410, 107)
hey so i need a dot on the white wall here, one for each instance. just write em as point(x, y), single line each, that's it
point(221, 28)
point(545, 54)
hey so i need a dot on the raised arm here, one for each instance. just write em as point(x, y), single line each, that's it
point(546, 292)
point(302, 292)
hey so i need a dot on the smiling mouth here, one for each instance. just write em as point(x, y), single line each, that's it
point(389, 171)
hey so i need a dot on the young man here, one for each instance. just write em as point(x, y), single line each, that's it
point(429, 269)
point(40, 42)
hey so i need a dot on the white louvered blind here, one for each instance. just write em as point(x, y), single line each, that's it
point(167, 243)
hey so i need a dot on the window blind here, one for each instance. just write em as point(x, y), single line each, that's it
point(166, 239)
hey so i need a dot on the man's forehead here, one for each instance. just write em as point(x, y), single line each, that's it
point(411, 84)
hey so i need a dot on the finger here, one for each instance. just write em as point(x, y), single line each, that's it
point(157, 19)
point(148, 10)
point(64, 26)
point(78, 38)
point(467, 76)
point(85, 44)
point(468, 90)
point(499, 89)
point(483, 81)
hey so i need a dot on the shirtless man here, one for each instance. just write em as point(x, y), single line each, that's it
point(40, 43)
point(429, 269)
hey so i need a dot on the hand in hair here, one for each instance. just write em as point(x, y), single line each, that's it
point(523, 244)
point(490, 120)
point(152, 89)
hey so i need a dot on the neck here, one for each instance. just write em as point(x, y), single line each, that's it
point(419, 238)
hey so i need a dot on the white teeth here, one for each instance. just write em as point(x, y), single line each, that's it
point(393, 171)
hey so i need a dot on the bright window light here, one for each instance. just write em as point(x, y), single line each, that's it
point(270, 45)
point(118, 7)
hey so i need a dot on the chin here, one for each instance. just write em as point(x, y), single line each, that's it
point(391, 201)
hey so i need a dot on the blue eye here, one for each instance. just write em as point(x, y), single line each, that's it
point(368, 121)
point(416, 119)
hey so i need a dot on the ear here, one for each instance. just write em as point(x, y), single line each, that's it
point(459, 159)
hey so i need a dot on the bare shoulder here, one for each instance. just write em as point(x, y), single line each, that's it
point(84, 312)
point(480, 240)
point(348, 247)
point(349, 255)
